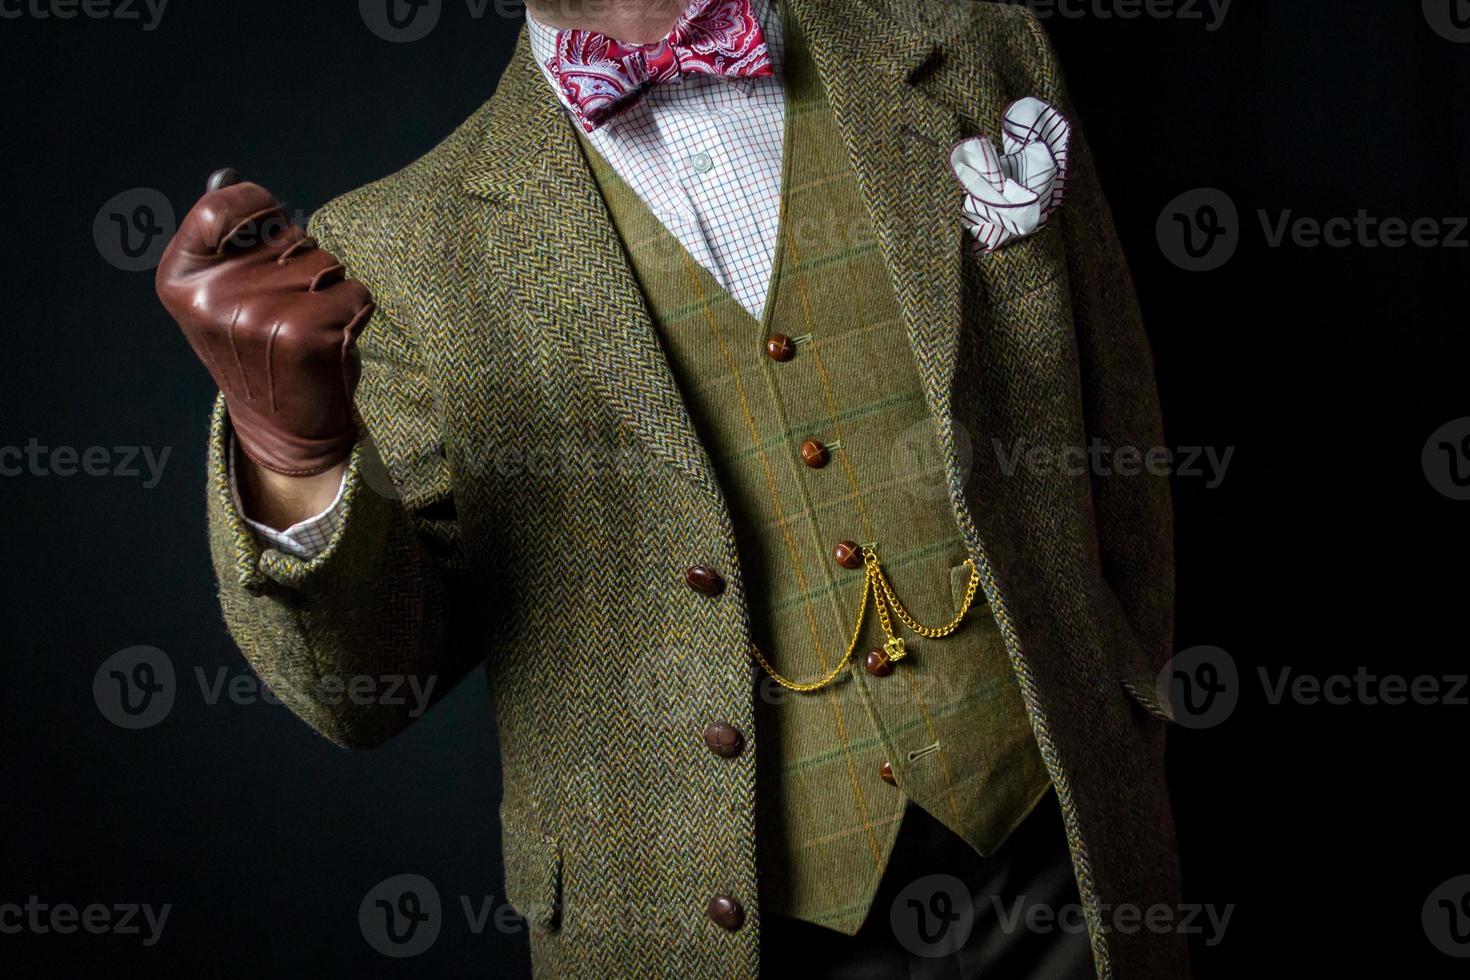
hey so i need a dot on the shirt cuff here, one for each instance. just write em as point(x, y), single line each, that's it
point(305, 539)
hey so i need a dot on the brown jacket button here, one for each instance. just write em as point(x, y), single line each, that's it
point(885, 772)
point(848, 555)
point(725, 912)
point(724, 740)
point(814, 454)
point(779, 347)
point(878, 663)
point(705, 580)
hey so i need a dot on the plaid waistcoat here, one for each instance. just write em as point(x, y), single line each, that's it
point(950, 719)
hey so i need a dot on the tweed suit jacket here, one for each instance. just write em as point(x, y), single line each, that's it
point(530, 489)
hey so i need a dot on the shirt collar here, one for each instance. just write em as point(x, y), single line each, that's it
point(543, 43)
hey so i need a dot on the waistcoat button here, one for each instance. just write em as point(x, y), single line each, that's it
point(848, 555)
point(814, 454)
point(780, 347)
point(885, 772)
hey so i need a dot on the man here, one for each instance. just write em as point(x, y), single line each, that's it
point(689, 407)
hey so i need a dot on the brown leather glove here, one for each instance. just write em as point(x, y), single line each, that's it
point(275, 320)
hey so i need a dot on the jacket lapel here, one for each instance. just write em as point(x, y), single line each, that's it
point(558, 255)
point(899, 140)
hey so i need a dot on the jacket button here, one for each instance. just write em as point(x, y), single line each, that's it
point(725, 912)
point(724, 740)
point(885, 772)
point(848, 555)
point(705, 580)
point(779, 347)
point(814, 454)
point(878, 663)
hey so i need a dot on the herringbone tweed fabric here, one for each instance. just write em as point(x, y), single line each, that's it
point(536, 487)
point(950, 720)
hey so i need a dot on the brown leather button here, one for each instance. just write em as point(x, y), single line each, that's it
point(724, 740)
point(705, 580)
point(815, 454)
point(878, 663)
point(780, 347)
point(885, 772)
point(725, 912)
point(848, 555)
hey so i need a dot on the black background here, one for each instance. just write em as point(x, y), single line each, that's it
point(1325, 549)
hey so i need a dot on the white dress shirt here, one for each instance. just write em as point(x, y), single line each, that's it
point(705, 155)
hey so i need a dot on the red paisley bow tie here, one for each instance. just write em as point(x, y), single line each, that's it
point(600, 77)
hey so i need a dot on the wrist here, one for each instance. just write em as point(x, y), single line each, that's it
point(279, 501)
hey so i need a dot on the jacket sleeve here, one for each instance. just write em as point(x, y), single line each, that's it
point(357, 639)
point(1120, 395)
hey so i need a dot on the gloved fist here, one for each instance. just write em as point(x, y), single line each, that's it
point(275, 320)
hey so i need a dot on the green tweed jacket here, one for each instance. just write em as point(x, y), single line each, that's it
point(530, 491)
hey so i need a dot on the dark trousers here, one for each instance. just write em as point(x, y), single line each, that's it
point(943, 912)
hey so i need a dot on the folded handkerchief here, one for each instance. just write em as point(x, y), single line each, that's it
point(1010, 195)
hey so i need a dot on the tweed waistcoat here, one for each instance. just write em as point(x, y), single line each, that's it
point(950, 720)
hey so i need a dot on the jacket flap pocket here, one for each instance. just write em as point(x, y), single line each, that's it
point(532, 868)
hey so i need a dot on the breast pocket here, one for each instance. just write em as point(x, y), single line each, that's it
point(1025, 265)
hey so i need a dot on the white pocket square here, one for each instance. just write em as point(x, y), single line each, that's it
point(1010, 195)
